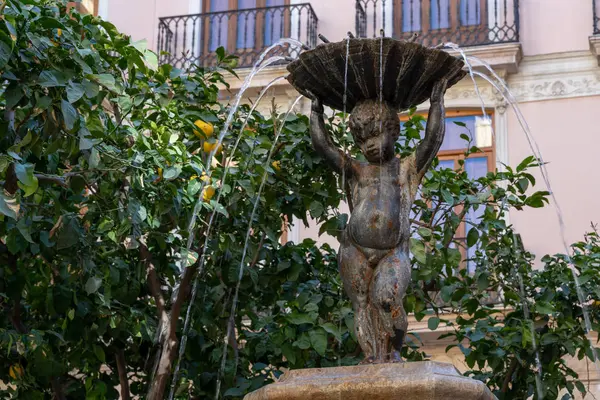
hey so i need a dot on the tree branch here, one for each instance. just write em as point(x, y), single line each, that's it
point(169, 342)
point(511, 369)
point(122, 371)
point(154, 285)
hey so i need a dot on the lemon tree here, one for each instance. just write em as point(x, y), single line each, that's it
point(104, 156)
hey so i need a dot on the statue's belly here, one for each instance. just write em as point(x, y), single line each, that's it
point(376, 223)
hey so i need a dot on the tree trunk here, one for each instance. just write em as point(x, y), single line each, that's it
point(168, 339)
point(162, 373)
point(122, 370)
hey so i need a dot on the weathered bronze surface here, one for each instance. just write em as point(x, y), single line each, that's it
point(409, 72)
point(374, 254)
point(409, 381)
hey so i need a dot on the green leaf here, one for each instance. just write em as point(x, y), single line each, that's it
point(91, 89)
point(303, 342)
point(482, 281)
point(417, 248)
point(332, 329)
point(94, 159)
point(316, 209)
point(5, 53)
point(137, 211)
point(472, 237)
point(289, 353)
point(425, 233)
point(299, 319)
point(13, 95)
point(25, 230)
point(171, 173)
point(550, 338)
point(69, 113)
point(448, 198)
point(85, 139)
point(298, 127)
point(99, 352)
point(106, 80)
point(69, 234)
point(460, 123)
point(523, 184)
point(27, 181)
point(543, 307)
point(318, 340)
point(151, 60)
point(433, 323)
point(140, 45)
point(75, 91)
point(9, 205)
point(51, 79)
point(580, 386)
point(525, 163)
point(93, 284)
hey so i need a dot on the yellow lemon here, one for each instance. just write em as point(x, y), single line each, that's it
point(208, 193)
point(208, 147)
point(159, 171)
point(59, 32)
point(206, 128)
point(276, 165)
point(15, 371)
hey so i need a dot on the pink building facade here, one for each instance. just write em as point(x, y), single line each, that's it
point(547, 51)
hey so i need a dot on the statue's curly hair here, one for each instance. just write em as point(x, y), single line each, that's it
point(369, 115)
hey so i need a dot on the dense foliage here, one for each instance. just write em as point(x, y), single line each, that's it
point(102, 162)
point(104, 155)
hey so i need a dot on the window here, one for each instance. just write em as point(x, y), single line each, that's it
point(476, 165)
point(423, 16)
point(248, 26)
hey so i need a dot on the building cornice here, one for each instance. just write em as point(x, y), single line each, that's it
point(556, 76)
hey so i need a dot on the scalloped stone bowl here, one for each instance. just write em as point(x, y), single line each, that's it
point(409, 72)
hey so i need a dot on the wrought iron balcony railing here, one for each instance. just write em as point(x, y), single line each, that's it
point(246, 33)
point(464, 22)
point(596, 5)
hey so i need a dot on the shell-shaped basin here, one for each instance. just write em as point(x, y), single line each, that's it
point(409, 72)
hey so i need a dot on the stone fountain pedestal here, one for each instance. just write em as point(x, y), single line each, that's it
point(409, 381)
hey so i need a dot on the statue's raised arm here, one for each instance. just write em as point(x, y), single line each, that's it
point(434, 132)
point(323, 143)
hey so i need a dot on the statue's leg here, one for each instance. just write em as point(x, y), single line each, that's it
point(356, 276)
point(388, 287)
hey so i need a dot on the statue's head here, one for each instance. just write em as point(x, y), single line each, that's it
point(375, 127)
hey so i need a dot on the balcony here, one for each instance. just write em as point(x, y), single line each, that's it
point(595, 38)
point(186, 40)
point(596, 9)
point(489, 29)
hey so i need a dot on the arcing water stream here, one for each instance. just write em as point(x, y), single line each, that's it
point(500, 85)
point(261, 63)
point(207, 239)
point(258, 66)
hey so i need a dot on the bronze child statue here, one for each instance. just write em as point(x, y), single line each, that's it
point(374, 253)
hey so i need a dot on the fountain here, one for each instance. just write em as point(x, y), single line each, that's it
point(376, 78)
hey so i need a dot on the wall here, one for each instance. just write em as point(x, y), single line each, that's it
point(552, 26)
point(568, 135)
point(139, 18)
point(336, 17)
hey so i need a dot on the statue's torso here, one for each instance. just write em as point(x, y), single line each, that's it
point(382, 198)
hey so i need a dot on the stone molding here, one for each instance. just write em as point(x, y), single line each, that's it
point(502, 57)
point(595, 46)
point(556, 76)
